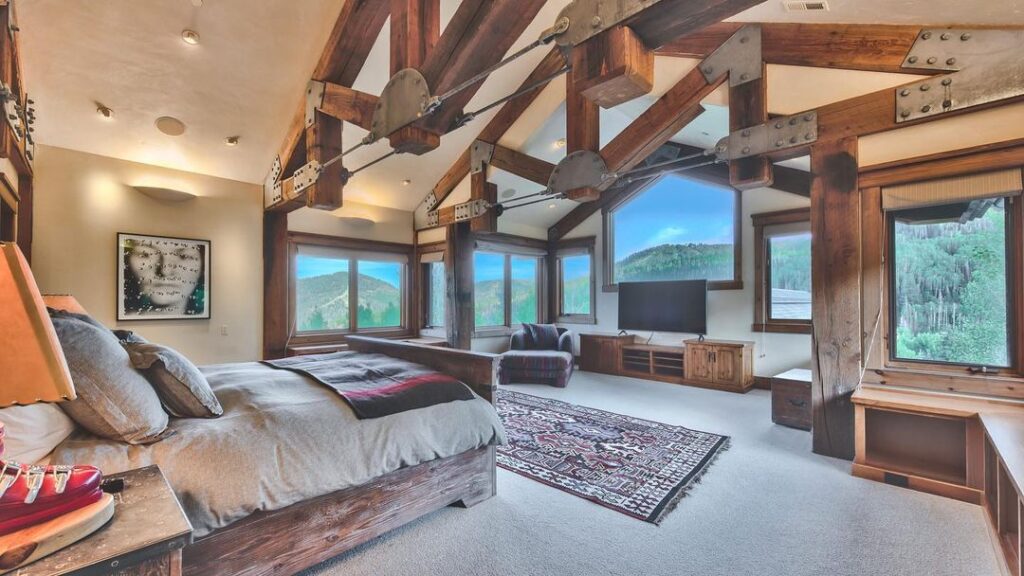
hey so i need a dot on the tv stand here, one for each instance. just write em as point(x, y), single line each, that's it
point(719, 364)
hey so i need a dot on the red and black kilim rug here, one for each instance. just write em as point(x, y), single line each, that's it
point(637, 467)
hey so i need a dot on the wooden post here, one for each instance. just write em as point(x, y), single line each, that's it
point(836, 288)
point(613, 67)
point(582, 130)
point(24, 226)
point(481, 189)
point(552, 280)
point(276, 276)
point(748, 106)
point(323, 143)
point(415, 28)
point(458, 272)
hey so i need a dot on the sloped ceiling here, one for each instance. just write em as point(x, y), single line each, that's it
point(249, 71)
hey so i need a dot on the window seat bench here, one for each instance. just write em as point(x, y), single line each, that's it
point(963, 447)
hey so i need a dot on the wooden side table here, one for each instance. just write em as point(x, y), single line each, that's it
point(144, 538)
point(791, 398)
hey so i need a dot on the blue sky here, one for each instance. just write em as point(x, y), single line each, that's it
point(674, 211)
point(308, 266)
point(576, 266)
point(489, 266)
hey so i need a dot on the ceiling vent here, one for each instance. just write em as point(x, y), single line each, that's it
point(806, 6)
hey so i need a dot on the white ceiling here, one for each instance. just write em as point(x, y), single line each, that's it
point(248, 73)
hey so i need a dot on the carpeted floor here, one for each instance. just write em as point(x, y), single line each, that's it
point(768, 508)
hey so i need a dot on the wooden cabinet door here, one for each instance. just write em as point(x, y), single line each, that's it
point(590, 353)
point(698, 363)
point(727, 365)
point(608, 358)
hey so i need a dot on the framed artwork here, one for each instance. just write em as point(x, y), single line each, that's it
point(161, 278)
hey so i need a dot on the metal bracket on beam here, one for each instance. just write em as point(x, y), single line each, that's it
point(405, 99)
point(986, 67)
point(306, 175)
point(740, 56)
point(272, 184)
point(12, 111)
point(430, 202)
point(581, 169)
point(480, 154)
point(584, 19)
point(314, 100)
point(458, 213)
point(774, 136)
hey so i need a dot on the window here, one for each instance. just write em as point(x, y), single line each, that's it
point(435, 287)
point(782, 271)
point(340, 287)
point(950, 283)
point(675, 229)
point(576, 280)
point(506, 285)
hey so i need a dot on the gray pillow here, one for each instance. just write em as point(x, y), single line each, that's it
point(541, 336)
point(180, 385)
point(114, 401)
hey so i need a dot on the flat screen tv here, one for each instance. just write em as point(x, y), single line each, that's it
point(674, 306)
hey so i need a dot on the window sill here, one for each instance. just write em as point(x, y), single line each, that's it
point(499, 332)
point(576, 320)
point(713, 285)
point(1006, 384)
point(783, 328)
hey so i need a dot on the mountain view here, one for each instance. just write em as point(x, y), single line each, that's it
point(321, 302)
point(488, 298)
point(677, 262)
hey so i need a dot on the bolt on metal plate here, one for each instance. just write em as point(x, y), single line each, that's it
point(580, 169)
point(405, 98)
point(306, 176)
point(588, 18)
point(975, 85)
point(775, 135)
point(480, 154)
point(740, 57)
point(314, 100)
point(953, 49)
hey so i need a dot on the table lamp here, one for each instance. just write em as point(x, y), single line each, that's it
point(42, 508)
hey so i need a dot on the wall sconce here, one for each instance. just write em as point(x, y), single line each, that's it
point(165, 194)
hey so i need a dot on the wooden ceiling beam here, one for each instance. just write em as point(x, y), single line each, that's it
point(669, 19)
point(501, 122)
point(613, 67)
point(522, 165)
point(748, 107)
point(323, 142)
point(351, 39)
point(582, 129)
point(350, 105)
point(478, 36)
point(415, 29)
point(869, 47)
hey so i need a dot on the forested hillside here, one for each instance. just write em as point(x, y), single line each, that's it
point(489, 307)
point(951, 290)
point(321, 302)
point(677, 262)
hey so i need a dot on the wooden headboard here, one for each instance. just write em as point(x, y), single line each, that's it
point(477, 369)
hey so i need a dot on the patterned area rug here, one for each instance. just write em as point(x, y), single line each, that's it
point(637, 467)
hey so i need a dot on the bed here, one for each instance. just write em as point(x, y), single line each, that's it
point(287, 477)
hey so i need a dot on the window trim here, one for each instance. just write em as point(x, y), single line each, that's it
point(423, 281)
point(297, 338)
point(1013, 302)
point(506, 245)
point(573, 247)
point(608, 233)
point(762, 273)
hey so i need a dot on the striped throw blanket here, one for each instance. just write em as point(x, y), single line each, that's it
point(376, 385)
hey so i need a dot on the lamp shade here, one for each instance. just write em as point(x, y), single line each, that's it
point(33, 365)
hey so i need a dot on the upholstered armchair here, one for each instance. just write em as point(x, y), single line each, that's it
point(526, 363)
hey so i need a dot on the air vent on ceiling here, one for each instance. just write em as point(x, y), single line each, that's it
point(805, 5)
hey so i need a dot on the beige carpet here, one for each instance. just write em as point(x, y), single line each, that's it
point(767, 507)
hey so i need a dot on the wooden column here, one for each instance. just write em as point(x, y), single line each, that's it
point(551, 278)
point(481, 189)
point(24, 227)
point(748, 106)
point(458, 273)
point(276, 328)
point(323, 143)
point(582, 130)
point(415, 28)
point(836, 288)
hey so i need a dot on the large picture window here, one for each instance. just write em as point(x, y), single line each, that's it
point(340, 287)
point(489, 289)
point(949, 290)
point(507, 275)
point(675, 229)
point(576, 281)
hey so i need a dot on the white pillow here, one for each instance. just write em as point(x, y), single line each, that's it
point(33, 431)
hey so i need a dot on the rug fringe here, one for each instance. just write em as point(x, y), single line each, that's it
point(726, 444)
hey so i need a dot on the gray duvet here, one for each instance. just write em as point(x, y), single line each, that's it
point(284, 438)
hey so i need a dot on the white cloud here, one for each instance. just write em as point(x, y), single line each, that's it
point(666, 235)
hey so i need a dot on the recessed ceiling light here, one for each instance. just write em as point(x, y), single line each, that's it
point(559, 144)
point(104, 112)
point(552, 205)
point(231, 141)
point(170, 126)
point(406, 182)
point(190, 37)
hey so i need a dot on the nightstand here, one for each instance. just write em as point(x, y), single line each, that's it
point(145, 536)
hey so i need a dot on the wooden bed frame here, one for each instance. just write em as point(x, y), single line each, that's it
point(294, 538)
point(302, 535)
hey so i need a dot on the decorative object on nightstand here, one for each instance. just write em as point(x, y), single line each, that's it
point(42, 508)
point(791, 398)
point(145, 538)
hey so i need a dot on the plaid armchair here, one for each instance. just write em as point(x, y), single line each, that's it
point(525, 365)
point(518, 340)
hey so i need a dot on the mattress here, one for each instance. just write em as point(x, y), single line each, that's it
point(284, 438)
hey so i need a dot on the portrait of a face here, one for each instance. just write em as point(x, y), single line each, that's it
point(162, 278)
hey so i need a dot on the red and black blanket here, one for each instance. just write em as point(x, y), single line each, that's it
point(376, 385)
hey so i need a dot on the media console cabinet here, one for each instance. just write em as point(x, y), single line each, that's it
point(719, 364)
point(963, 447)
